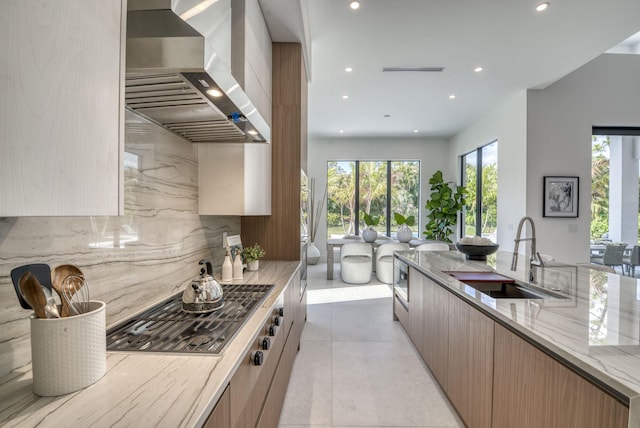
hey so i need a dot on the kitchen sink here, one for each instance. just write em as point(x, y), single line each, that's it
point(499, 286)
point(512, 290)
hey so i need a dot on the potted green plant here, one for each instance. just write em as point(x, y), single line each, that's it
point(252, 256)
point(404, 233)
point(444, 203)
point(369, 234)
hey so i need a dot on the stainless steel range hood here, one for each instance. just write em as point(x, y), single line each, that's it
point(173, 73)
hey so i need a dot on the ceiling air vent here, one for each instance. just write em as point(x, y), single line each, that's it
point(423, 69)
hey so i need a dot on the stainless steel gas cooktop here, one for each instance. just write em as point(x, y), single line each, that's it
point(167, 328)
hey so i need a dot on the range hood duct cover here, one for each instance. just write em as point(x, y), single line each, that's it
point(169, 69)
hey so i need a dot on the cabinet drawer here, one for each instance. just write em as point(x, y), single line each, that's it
point(250, 382)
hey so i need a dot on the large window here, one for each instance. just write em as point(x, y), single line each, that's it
point(378, 188)
point(615, 184)
point(480, 178)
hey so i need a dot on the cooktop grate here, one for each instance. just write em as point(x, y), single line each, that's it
point(167, 328)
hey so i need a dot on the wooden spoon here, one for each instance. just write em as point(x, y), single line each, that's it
point(32, 292)
point(58, 275)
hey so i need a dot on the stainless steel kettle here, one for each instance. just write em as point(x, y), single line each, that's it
point(204, 294)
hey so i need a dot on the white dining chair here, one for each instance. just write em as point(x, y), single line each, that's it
point(356, 263)
point(384, 260)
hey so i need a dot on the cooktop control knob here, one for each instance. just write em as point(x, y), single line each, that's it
point(258, 358)
point(276, 320)
point(281, 312)
point(272, 330)
point(266, 343)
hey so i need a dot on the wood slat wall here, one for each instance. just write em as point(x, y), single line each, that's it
point(279, 233)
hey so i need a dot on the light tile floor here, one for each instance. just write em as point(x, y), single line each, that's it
point(356, 366)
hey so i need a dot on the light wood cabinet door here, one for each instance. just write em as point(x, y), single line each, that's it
point(435, 333)
point(470, 368)
point(61, 110)
point(220, 417)
point(416, 311)
point(531, 389)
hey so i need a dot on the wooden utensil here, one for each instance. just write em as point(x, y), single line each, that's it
point(58, 275)
point(32, 292)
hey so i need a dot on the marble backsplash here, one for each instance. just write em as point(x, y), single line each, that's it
point(130, 261)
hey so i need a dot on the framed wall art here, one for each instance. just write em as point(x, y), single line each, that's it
point(560, 196)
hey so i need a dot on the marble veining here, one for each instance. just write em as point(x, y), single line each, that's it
point(130, 261)
point(145, 389)
point(595, 328)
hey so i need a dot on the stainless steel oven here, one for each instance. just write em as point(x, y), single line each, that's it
point(400, 281)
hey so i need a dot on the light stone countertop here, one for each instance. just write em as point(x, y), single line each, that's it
point(595, 329)
point(145, 389)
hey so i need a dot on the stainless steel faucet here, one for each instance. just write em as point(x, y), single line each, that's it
point(535, 260)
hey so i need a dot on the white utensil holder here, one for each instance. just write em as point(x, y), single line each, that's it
point(70, 353)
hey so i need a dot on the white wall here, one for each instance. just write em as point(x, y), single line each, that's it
point(432, 153)
point(604, 92)
point(505, 123)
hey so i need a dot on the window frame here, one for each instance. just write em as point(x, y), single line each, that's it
point(388, 195)
point(479, 170)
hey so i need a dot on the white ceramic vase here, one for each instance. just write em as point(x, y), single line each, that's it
point(253, 265)
point(404, 234)
point(313, 254)
point(369, 234)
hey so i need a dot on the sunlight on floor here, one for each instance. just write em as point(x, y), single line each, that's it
point(348, 294)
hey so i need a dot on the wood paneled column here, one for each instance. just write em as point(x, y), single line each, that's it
point(279, 233)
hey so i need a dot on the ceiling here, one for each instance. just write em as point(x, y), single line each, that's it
point(517, 47)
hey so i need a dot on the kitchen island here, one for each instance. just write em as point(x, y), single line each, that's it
point(570, 358)
point(143, 389)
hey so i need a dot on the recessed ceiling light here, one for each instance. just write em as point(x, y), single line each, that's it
point(478, 69)
point(542, 6)
point(415, 131)
point(387, 115)
point(341, 131)
point(354, 5)
point(215, 93)
point(345, 97)
point(348, 69)
point(452, 96)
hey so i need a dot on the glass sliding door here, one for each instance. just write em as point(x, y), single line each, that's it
point(373, 192)
point(489, 183)
point(341, 198)
point(405, 192)
point(480, 178)
point(470, 182)
point(379, 188)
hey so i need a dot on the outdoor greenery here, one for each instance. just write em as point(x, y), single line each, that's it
point(489, 220)
point(444, 203)
point(599, 186)
point(341, 200)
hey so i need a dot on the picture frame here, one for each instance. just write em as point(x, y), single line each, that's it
point(234, 243)
point(560, 196)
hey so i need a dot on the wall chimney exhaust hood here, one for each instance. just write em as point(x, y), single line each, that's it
point(175, 76)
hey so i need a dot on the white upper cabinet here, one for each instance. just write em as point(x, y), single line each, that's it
point(61, 110)
point(234, 179)
point(251, 54)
